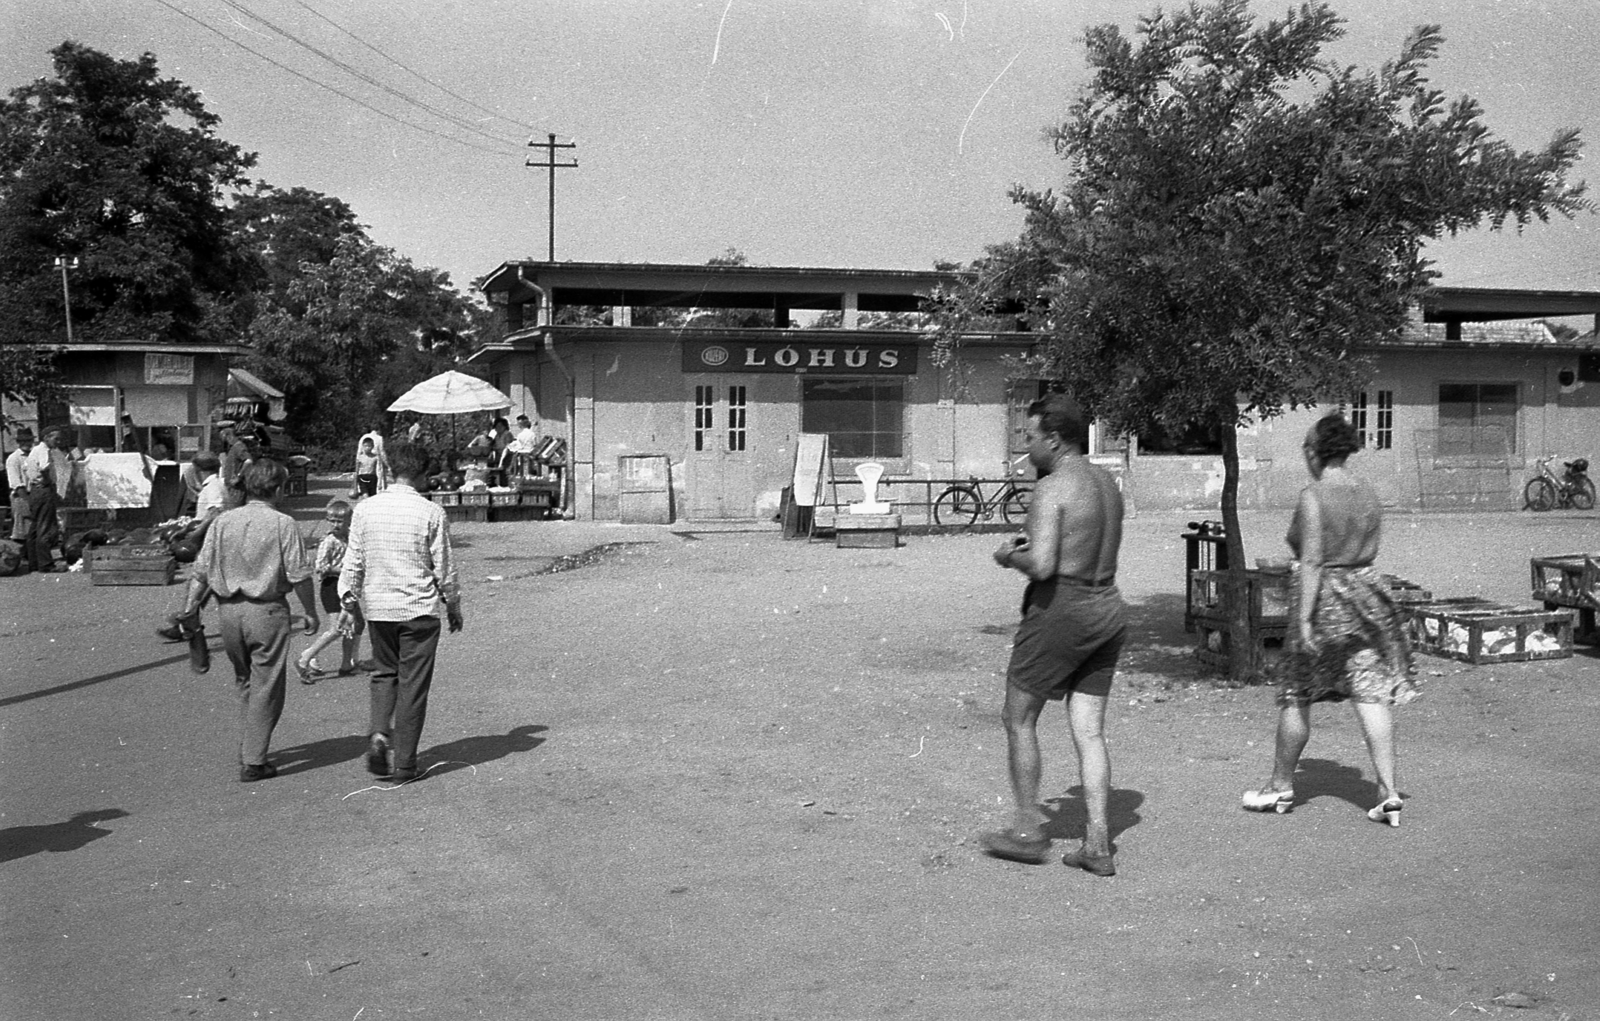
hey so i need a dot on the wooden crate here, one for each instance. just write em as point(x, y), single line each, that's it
point(479, 498)
point(1483, 632)
point(1266, 645)
point(1565, 579)
point(150, 564)
point(1406, 592)
point(505, 499)
point(1266, 594)
point(446, 498)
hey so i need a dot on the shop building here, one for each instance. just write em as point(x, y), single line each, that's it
point(166, 392)
point(719, 369)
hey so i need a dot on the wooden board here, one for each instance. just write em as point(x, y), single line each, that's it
point(810, 455)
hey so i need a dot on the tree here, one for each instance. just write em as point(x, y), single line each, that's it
point(111, 163)
point(1241, 218)
point(352, 334)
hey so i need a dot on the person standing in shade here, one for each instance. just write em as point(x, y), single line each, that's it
point(398, 569)
point(21, 470)
point(1071, 633)
point(252, 558)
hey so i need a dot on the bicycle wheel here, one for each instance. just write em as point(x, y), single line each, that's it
point(1539, 495)
point(1015, 506)
point(1582, 494)
point(958, 505)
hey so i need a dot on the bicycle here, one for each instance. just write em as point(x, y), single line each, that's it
point(1546, 491)
point(963, 502)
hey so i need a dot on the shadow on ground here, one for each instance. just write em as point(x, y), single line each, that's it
point(1066, 819)
point(470, 752)
point(22, 841)
point(1317, 777)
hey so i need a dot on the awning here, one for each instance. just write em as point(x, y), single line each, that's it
point(246, 390)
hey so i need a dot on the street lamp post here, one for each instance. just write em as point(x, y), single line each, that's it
point(64, 263)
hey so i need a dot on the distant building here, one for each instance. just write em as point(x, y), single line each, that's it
point(167, 390)
point(755, 356)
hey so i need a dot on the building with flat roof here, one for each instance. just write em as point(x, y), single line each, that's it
point(719, 369)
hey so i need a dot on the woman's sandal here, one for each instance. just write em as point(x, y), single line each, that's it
point(1012, 846)
point(1388, 811)
point(1269, 801)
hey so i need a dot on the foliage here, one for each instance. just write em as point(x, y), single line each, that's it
point(350, 335)
point(111, 163)
point(1242, 218)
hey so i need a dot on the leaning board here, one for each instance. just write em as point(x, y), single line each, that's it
point(810, 455)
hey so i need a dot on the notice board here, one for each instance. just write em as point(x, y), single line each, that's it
point(810, 455)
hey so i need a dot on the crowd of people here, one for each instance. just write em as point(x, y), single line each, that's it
point(385, 568)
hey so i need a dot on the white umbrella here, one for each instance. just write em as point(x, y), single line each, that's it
point(451, 393)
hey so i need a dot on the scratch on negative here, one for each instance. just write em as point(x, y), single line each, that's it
point(717, 48)
point(961, 140)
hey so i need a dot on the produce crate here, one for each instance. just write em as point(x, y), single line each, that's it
point(299, 480)
point(1266, 646)
point(1406, 592)
point(150, 564)
point(505, 499)
point(1266, 594)
point(479, 498)
point(1564, 580)
point(447, 498)
point(1483, 632)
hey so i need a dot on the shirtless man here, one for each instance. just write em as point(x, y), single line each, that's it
point(1071, 633)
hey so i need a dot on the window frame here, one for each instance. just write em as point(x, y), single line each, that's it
point(896, 464)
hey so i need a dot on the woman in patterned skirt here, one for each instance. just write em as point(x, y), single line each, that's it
point(1346, 639)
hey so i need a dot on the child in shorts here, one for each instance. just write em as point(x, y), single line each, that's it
point(368, 466)
point(347, 624)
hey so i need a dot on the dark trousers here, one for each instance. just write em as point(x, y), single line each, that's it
point(44, 528)
point(256, 638)
point(403, 652)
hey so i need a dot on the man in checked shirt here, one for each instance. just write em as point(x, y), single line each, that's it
point(399, 570)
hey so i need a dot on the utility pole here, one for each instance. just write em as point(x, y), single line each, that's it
point(64, 263)
point(550, 163)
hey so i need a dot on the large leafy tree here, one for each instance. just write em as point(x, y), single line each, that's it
point(1241, 218)
point(112, 164)
point(351, 334)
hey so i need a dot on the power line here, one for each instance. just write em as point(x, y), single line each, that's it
point(415, 74)
point(324, 85)
point(350, 69)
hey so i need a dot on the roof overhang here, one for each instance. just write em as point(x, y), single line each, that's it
point(1490, 304)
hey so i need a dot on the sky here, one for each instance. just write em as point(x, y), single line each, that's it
point(880, 134)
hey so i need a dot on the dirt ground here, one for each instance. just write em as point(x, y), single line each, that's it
point(730, 776)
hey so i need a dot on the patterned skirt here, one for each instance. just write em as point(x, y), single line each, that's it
point(1360, 647)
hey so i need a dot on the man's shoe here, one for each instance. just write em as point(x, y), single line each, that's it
point(378, 755)
point(173, 633)
point(250, 774)
point(1009, 845)
point(1098, 864)
point(403, 776)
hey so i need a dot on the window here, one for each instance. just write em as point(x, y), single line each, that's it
point(1374, 420)
point(705, 401)
point(863, 418)
point(1477, 418)
point(736, 417)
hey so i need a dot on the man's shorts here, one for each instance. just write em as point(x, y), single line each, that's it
point(1069, 640)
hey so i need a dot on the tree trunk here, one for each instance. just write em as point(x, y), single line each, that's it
point(1239, 638)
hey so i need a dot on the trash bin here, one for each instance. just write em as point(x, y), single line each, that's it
point(645, 490)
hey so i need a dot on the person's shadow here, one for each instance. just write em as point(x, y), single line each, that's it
point(21, 841)
point(330, 751)
point(467, 752)
point(1067, 819)
point(1324, 776)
